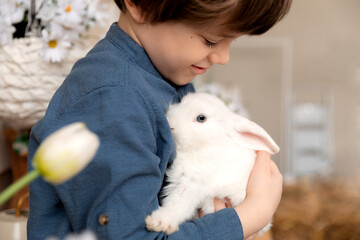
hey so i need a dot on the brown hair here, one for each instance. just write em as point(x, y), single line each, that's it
point(251, 17)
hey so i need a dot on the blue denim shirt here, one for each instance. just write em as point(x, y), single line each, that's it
point(120, 95)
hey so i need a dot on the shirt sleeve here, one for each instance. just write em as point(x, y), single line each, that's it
point(121, 183)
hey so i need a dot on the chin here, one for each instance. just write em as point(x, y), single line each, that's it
point(183, 80)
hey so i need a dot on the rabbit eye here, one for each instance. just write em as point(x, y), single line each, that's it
point(201, 118)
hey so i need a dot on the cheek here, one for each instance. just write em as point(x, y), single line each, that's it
point(187, 50)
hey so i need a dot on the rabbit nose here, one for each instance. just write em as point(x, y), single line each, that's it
point(172, 129)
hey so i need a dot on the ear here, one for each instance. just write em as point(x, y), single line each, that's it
point(252, 135)
point(134, 11)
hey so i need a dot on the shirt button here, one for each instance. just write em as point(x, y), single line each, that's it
point(103, 219)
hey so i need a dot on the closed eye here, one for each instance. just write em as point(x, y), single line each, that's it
point(210, 44)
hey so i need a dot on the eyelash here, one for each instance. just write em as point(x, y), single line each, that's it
point(210, 44)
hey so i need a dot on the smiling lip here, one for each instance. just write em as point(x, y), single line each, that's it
point(199, 70)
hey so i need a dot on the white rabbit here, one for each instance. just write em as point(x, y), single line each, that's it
point(215, 155)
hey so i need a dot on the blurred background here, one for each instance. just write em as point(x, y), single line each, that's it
point(301, 82)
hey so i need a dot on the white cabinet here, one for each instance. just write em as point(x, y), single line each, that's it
point(311, 133)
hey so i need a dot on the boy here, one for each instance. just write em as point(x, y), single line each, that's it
point(122, 90)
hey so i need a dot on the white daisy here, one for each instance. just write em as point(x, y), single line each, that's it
point(6, 28)
point(70, 34)
point(55, 47)
point(95, 13)
point(47, 12)
point(6, 32)
point(70, 13)
point(18, 10)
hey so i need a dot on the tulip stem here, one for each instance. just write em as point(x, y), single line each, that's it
point(19, 184)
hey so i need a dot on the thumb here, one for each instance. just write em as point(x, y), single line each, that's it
point(262, 159)
point(262, 154)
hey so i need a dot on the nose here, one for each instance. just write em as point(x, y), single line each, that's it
point(220, 56)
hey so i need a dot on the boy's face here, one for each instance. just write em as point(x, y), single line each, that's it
point(180, 51)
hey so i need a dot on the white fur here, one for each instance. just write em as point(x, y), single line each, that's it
point(214, 159)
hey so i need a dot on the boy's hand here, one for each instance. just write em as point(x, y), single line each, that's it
point(218, 205)
point(263, 195)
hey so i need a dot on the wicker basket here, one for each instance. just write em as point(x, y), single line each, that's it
point(27, 82)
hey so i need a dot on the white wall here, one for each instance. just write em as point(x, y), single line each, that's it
point(326, 39)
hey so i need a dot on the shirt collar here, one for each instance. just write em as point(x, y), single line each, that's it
point(132, 49)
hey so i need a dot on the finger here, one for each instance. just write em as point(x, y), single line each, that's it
point(274, 168)
point(200, 213)
point(228, 203)
point(262, 162)
point(252, 237)
point(262, 158)
point(262, 154)
point(219, 204)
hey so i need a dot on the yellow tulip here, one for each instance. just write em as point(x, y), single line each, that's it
point(61, 156)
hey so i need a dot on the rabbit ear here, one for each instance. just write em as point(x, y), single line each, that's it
point(253, 136)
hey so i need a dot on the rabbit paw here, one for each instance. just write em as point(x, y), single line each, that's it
point(160, 221)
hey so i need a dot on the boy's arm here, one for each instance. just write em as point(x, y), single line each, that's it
point(122, 182)
point(47, 216)
point(263, 195)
